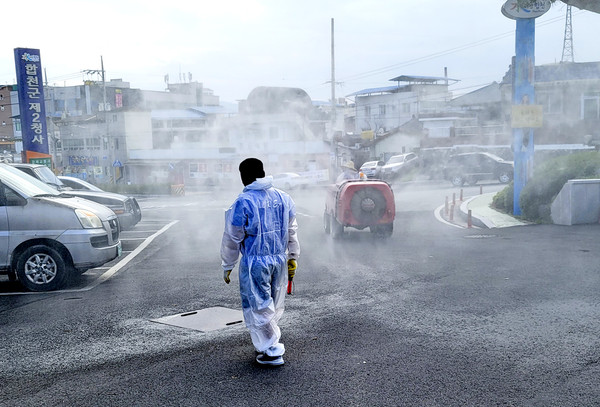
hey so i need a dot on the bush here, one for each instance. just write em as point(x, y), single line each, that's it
point(503, 200)
point(549, 178)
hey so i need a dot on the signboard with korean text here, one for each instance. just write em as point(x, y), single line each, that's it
point(75, 160)
point(47, 161)
point(31, 101)
point(526, 116)
point(513, 10)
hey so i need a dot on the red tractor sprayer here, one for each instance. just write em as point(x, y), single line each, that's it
point(360, 204)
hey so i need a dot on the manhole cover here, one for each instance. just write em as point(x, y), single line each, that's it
point(208, 319)
point(480, 236)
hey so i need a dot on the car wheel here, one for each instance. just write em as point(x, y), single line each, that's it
point(327, 223)
point(457, 180)
point(337, 230)
point(505, 177)
point(41, 268)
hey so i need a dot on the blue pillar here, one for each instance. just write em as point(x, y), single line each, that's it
point(523, 94)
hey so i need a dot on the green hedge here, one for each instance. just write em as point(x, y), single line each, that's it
point(503, 200)
point(137, 189)
point(548, 179)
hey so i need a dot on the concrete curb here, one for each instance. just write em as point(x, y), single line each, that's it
point(476, 220)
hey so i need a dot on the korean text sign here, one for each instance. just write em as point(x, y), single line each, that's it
point(31, 99)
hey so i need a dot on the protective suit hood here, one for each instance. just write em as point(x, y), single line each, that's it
point(260, 183)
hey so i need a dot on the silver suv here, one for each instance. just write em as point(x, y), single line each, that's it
point(46, 237)
point(398, 165)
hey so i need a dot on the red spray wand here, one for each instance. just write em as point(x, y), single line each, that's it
point(291, 272)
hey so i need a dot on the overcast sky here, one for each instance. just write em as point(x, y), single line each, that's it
point(233, 46)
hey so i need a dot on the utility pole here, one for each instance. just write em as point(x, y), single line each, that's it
point(333, 157)
point(111, 146)
point(333, 105)
point(109, 142)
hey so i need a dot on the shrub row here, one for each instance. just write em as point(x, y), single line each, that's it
point(548, 179)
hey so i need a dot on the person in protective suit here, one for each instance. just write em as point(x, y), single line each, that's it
point(349, 172)
point(261, 224)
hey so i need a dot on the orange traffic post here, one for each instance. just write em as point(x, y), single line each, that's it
point(461, 194)
point(469, 220)
point(452, 212)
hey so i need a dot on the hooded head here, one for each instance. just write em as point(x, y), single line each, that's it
point(349, 165)
point(250, 170)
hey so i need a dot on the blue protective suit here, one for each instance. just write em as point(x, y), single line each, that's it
point(261, 224)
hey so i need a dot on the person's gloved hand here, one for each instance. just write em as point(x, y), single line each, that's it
point(292, 265)
point(226, 274)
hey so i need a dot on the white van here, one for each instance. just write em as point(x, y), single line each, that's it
point(46, 236)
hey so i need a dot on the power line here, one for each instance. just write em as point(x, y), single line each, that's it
point(443, 53)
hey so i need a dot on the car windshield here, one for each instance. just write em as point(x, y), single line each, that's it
point(46, 175)
point(397, 159)
point(83, 183)
point(369, 164)
point(494, 156)
point(23, 183)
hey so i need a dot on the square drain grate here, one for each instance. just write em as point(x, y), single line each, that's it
point(207, 319)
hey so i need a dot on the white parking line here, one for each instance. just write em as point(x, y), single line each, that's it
point(109, 272)
point(114, 269)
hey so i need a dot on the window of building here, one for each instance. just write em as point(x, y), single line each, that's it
point(92, 143)
point(368, 111)
point(551, 102)
point(73, 144)
point(590, 108)
point(381, 110)
point(197, 169)
point(405, 107)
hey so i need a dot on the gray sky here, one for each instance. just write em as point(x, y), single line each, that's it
point(233, 46)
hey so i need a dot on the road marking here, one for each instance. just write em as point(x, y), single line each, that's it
point(109, 271)
point(114, 269)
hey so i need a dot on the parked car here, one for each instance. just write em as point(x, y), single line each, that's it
point(398, 164)
point(473, 167)
point(372, 169)
point(360, 204)
point(46, 237)
point(78, 184)
point(126, 208)
point(289, 180)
